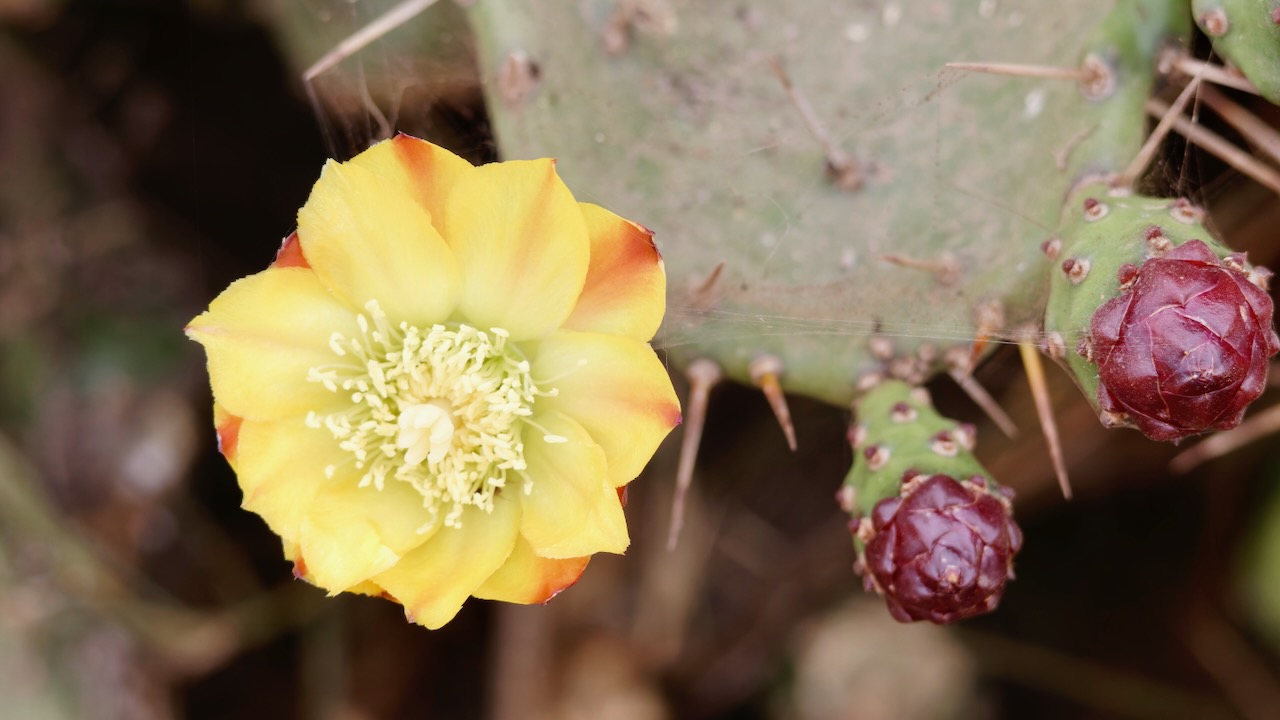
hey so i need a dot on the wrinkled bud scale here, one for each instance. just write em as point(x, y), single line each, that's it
point(942, 550)
point(1171, 331)
point(934, 535)
point(1185, 348)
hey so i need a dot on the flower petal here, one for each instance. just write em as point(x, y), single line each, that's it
point(294, 555)
point(573, 508)
point(227, 428)
point(262, 335)
point(351, 533)
point(434, 580)
point(290, 253)
point(281, 467)
point(616, 388)
point(368, 239)
point(528, 579)
point(625, 290)
point(427, 171)
point(522, 245)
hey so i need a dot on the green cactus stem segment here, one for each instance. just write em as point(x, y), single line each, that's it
point(1135, 230)
point(1247, 33)
point(933, 534)
point(896, 430)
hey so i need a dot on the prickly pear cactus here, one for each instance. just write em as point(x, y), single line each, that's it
point(933, 532)
point(945, 187)
point(1247, 33)
point(829, 196)
point(1163, 328)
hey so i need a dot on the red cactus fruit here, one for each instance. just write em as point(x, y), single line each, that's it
point(1184, 348)
point(942, 550)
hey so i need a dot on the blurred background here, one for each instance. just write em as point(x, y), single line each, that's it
point(152, 151)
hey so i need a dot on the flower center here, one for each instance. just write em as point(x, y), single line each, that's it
point(442, 408)
point(426, 431)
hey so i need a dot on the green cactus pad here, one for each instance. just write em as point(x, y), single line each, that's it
point(897, 430)
point(672, 113)
point(1247, 33)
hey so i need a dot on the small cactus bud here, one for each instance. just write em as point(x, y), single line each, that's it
point(1127, 273)
point(1099, 79)
point(944, 444)
point(1053, 345)
point(942, 550)
point(902, 413)
point(847, 498)
point(881, 347)
point(1214, 22)
point(857, 435)
point(877, 456)
point(1186, 212)
point(1185, 349)
point(1157, 243)
point(1261, 277)
point(1084, 348)
point(1094, 210)
point(1076, 269)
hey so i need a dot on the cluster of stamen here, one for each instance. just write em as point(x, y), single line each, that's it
point(442, 408)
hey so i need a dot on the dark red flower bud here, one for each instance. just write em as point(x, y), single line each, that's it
point(941, 551)
point(1184, 349)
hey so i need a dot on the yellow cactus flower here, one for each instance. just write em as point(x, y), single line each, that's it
point(442, 384)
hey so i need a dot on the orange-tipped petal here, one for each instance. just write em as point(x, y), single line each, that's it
point(290, 254)
point(573, 508)
point(528, 579)
point(616, 388)
point(433, 580)
point(227, 427)
point(368, 239)
point(263, 334)
point(428, 172)
point(522, 247)
point(625, 290)
point(282, 466)
point(351, 533)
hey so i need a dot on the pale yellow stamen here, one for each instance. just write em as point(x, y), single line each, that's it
point(442, 408)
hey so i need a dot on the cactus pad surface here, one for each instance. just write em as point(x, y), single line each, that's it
point(684, 122)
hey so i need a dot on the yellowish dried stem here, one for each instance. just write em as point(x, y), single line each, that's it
point(983, 399)
point(1044, 410)
point(1148, 150)
point(1262, 136)
point(765, 373)
point(1019, 70)
point(1256, 426)
point(360, 39)
point(1214, 143)
point(703, 375)
point(1216, 74)
point(843, 168)
point(945, 269)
